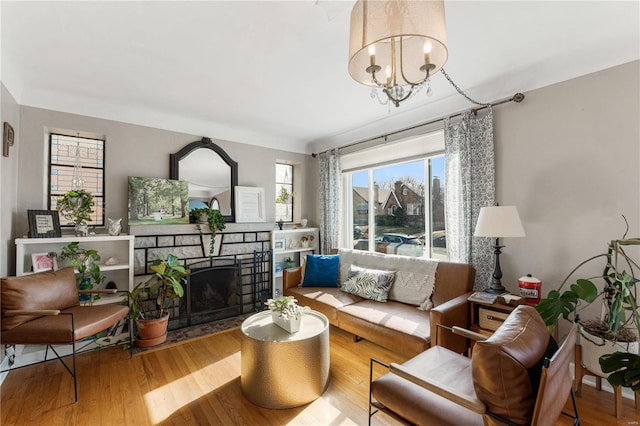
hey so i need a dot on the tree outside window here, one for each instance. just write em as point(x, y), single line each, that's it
point(284, 192)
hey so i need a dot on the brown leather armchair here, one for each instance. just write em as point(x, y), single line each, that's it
point(516, 376)
point(44, 309)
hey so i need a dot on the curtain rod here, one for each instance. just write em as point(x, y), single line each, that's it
point(517, 98)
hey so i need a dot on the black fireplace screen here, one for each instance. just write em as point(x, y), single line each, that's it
point(213, 292)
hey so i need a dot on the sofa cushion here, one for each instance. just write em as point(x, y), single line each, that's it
point(321, 270)
point(372, 284)
point(415, 276)
point(326, 300)
point(43, 290)
point(500, 364)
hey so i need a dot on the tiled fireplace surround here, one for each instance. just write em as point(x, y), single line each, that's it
point(238, 240)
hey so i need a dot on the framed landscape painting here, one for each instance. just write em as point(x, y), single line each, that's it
point(156, 201)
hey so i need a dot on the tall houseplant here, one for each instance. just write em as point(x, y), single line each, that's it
point(77, 206)
point(619, 293)
point(213, 218)
point(150, 299)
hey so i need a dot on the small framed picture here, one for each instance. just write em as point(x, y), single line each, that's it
point(44, 261)
point(279, 245)
point(44, 223)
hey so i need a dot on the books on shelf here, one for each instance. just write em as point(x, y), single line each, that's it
point(491, 298)
point(483, 297)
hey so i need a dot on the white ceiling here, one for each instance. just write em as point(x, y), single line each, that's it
point(274, 73)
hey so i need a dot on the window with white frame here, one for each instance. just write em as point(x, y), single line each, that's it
point(64, 150)
point(284, 192)
point(396, 206)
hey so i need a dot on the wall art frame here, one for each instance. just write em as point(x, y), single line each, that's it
point(44, 224)
point(250, 205)
point(8, 138)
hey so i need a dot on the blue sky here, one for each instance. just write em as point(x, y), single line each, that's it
point(414, 168)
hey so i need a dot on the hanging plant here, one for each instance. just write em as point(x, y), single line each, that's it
point(76, 206)
point(215, 220)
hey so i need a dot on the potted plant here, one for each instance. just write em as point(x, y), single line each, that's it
point(289, 263)
point(77, 206)
point(286, 313)
point(620, 325)
point(212, 217)
point(85, 260)
point(150, 300)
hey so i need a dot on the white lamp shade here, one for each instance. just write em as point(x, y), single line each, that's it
point(499, 222)
point(380, 28)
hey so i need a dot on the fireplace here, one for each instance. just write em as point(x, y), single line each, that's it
point(213, 291)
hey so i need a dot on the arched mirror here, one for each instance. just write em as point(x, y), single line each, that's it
point(211, 173)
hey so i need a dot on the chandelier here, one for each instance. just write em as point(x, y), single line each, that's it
point(396, 46)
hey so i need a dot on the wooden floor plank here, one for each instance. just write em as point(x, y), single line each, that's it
point(198, 382)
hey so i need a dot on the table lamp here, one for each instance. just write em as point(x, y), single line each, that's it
point(498, 222)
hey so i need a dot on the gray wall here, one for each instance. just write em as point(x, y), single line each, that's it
point(133, 150)
point(10, 112)
point(568, 158)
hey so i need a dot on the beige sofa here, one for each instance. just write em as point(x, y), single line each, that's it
point(394, 324)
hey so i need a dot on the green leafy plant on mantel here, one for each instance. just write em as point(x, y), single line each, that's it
point(85, 261)
point(214, 219)
point(620, 303)
point(76, 206)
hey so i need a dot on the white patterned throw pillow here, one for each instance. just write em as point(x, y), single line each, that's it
point(371, 284)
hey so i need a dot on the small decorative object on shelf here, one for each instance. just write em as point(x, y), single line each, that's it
point(286, 313)
point(306, 240)
point(114, 226)
point(280, 223)
point(289, 263)
point(303, 223)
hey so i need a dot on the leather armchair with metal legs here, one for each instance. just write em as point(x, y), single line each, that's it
point(44, 309)
point(516, 376)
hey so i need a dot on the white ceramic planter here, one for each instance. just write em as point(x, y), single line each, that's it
point(292, 325)
point(591, 352)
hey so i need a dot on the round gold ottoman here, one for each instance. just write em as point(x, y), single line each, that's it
point(282, 369)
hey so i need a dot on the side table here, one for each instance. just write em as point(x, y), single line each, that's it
point(281, 369)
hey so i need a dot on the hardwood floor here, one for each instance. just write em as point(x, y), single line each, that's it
point(198, 383)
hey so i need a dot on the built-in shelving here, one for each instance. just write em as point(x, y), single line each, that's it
point(288, 243)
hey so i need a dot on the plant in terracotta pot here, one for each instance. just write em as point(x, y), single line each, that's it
point(618, 328)
point(77, 206)
point(150, 299)
point(85, 261)
point(213, 218)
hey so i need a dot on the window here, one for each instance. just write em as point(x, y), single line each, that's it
point(284, 192)
point(396, 207)
point(62, 159)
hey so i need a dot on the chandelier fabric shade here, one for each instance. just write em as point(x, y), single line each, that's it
point(396, 43)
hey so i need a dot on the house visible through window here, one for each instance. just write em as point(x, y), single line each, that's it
point(62, 159)
point(396, 207)
point(284, 192)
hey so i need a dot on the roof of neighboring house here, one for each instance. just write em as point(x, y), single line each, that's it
point(363, 192)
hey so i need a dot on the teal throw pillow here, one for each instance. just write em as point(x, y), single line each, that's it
point(321, 270)
point(372, 284)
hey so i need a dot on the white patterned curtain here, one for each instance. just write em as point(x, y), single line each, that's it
point(470, 180)
point(330, 200)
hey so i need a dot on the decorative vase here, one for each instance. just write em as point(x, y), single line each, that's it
point(82, 230)
point(591, 352)
point(151, 332)
point(85, 284)
point(288, 265)
point(292, 325)
point(303, 223)
point(304, 243)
